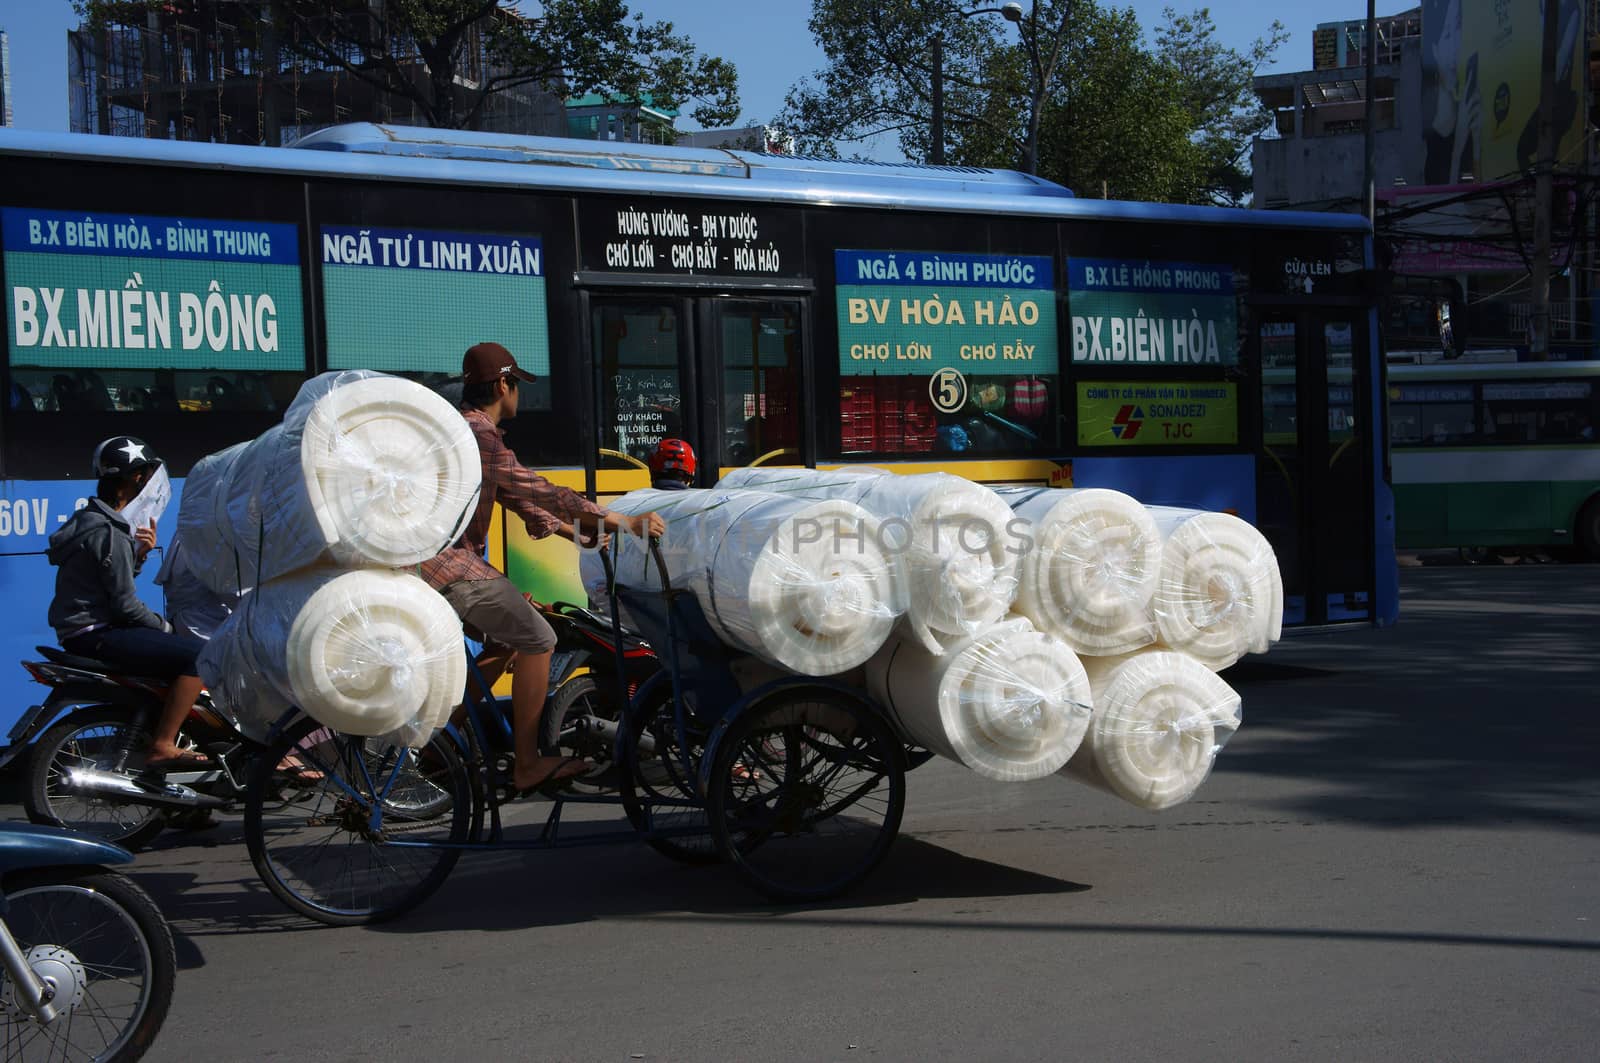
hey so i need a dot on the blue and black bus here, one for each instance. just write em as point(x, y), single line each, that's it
point(767, 308)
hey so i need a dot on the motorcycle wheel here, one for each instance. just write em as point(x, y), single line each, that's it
point(104, 943)
point(561, 732)
point(81, 740)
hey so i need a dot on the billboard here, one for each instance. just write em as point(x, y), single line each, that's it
point(1481, 82)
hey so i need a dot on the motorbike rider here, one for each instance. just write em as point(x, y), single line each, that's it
point(491, 608)
point(96, 611)
point(672, 466)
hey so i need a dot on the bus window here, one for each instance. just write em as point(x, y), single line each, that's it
point(1553, 411)
point(641, 391)
point(761, 391)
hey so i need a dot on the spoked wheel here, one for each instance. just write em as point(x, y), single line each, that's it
point(569, 728)
point(101, 943)
point(806, 793)
point(356, 845)
point(659, 791)
point(89, 739)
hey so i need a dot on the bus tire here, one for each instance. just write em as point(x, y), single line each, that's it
point(1588, 530)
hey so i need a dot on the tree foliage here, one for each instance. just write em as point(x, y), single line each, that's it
point(474, 49)
point(1102, 108)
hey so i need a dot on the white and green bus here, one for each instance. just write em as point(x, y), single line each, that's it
point(1496, 454)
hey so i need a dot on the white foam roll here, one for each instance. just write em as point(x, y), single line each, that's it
point(365, 470)
point(1012, 704)
point(391, 472)
point(1220, 595)
point(805, 585)
point(960, 558)
point(1091, 572)
point(365, 652)
point(1160, 718)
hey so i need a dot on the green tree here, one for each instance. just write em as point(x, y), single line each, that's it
point(472, 50)
point(1073, 86)
point(1216, 87)
point(882, 66)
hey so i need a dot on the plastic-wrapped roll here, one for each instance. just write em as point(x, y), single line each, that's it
point(1160, 719)
point(365, 651)
point(1091, 572)
point(959, 556)
point(365, 470)
point(203, 521)
point(1220, 595)
point(805, 585)
point(1012, 704)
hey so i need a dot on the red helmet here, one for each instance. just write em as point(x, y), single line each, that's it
point(673, 457)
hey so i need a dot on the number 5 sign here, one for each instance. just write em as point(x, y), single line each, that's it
point(948, 390)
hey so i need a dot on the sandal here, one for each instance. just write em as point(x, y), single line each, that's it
point(553, 780)
point(299, 772)
point(186, 761)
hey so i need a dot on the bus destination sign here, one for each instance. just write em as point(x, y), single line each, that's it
point(130, 291)
point(689, 238)
point(1133, 312)
point(423, 296)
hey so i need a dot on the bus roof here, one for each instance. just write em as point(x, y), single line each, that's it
point(464, 157)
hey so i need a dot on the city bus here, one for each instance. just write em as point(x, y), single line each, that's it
point(1496, 455)
point(767, 308)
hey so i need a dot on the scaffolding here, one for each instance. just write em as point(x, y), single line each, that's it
point(226, 71)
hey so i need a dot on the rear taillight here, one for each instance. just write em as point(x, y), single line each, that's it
point(40, 672)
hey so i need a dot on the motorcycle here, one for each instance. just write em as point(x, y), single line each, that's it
point(582, 717)
point(87, 962)
point(88, 739)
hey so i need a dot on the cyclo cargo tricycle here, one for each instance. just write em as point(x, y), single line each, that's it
point(799, 783)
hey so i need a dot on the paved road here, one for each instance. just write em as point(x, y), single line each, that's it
point(1396, 859)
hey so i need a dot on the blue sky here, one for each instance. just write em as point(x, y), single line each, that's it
point(767, 39)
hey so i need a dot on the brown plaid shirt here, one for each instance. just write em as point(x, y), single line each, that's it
point(517, 488)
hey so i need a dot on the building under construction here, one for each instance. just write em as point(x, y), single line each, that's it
point(228, 71)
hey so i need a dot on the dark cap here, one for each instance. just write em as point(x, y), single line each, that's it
point(487, 362)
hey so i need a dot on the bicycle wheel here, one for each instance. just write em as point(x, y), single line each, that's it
point(103, 943)
point(89, 738)
point(659, 791)
point(806, 794)
point(332, 850)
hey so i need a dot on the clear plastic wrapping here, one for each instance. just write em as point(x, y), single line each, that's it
point(1220, 595)
point(806, 585)
point(1160, 719)
point(956, 541)
point(1091, 567)
point(1012, 704)
point(363, 651)
point(365, 470)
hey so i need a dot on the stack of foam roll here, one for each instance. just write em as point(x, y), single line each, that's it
point(1020, 632)
point(312, 522)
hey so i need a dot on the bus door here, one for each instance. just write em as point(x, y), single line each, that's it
point(1314, 491)
point(723, 372)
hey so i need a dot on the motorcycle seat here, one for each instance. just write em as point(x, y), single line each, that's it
point(86, 664)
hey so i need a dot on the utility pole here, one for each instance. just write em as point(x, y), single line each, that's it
point(936, 150)
point(1543, 191)
point(1371, 191)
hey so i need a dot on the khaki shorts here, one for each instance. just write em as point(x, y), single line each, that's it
point(494, 612)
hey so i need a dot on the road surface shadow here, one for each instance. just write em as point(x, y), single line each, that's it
point(1479, 708)
point(507, 890)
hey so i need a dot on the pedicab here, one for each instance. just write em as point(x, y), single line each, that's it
point(798, 783)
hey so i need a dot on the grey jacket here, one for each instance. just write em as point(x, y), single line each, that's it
point(94, 558)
